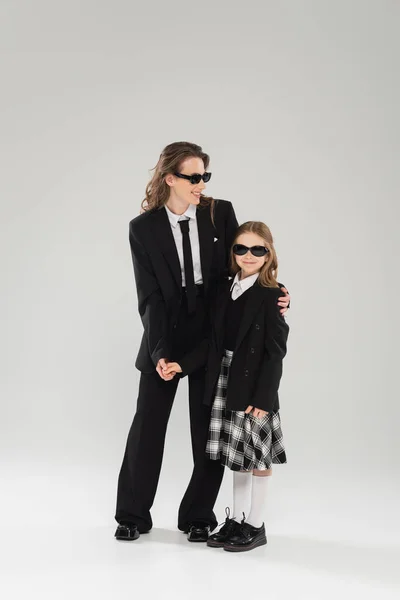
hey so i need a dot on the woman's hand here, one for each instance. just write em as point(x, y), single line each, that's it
point(257, 412)
point(284, 301)
point(171, 369)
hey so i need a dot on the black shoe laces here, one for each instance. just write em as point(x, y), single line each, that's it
point(229, 522)
point(243, 528)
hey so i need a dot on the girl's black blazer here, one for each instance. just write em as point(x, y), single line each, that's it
point(256, 367)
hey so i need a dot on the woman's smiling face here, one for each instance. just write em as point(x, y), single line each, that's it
point(182, 189)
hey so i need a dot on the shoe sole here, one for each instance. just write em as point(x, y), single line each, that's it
point(126, 539)
point(246, 548)
point(215, 544)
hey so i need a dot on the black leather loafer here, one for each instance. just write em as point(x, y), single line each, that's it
point(217, 540)
point(246, 537)
point(127, 533)
point(198, 532)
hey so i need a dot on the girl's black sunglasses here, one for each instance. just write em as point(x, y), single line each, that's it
point(195, 178)
point(241, 250)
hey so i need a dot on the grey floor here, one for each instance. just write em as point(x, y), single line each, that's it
point(56, 541)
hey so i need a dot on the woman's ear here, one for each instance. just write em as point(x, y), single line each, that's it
point(170, 180)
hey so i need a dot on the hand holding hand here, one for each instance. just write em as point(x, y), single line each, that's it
point(162, 367)
point(172, 369)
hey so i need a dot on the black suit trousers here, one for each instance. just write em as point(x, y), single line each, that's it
point(140, 471)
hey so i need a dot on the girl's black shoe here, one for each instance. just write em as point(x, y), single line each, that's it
point(217, 540)
point(246, 537)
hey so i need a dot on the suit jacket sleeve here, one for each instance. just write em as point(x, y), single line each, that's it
point(195, 359)
point(231, 226)
point(276, 334)
point(200, 355)
point(152, 308)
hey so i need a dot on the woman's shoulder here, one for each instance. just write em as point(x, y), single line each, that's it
point(223, 204)
point(142, 219)
point(219, 206)
point(224, 207)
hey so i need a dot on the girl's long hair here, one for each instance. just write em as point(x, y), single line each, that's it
point(269, 271)
point(170, 161)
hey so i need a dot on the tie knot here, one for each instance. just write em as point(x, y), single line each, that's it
point(184, 225)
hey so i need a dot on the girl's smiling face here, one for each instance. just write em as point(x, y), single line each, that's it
point(248, 263)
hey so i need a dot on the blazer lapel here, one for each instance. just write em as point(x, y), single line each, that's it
point(164, 237)
point(207, 233)
point(254, 299)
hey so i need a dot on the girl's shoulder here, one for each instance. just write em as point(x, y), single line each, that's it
point(266, 292)
point(270, 301)
point(269, 292)
point(270, 295)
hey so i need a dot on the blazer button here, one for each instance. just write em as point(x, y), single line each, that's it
point(257, 326)
point(246, 372)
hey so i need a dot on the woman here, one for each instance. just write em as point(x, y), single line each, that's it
point(180, 250)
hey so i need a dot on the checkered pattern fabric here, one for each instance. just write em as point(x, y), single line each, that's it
point(242, 442)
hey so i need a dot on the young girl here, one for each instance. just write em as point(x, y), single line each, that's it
point(249, 335)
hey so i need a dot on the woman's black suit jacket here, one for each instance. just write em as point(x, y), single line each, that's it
point(256, 367)
point(158, 272)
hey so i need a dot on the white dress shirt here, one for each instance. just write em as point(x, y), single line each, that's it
point(190, 214)
point(239, 286)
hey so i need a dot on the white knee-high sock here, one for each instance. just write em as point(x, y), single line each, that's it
point(241, 493)
point(258, 500)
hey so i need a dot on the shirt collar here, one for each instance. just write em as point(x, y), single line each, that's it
point(244, 284)
point(190, 213)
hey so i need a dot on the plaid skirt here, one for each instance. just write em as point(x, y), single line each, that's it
point(242, 442)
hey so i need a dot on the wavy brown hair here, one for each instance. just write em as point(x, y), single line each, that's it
point(170, 162)
point(269, 271)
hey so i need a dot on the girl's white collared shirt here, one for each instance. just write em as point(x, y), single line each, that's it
point(190, 214)
point(239, 286)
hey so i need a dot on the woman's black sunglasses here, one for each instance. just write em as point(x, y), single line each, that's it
point(241, 250)
point(195, 178)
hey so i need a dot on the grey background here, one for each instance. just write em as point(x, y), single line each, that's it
point(297, 104)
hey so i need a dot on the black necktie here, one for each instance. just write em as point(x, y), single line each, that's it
point(188, 266)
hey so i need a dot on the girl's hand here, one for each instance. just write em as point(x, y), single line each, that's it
point(284, 301)
point(257, 412)
point(172, 369)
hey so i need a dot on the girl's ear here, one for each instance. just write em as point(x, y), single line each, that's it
point(170, 180)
